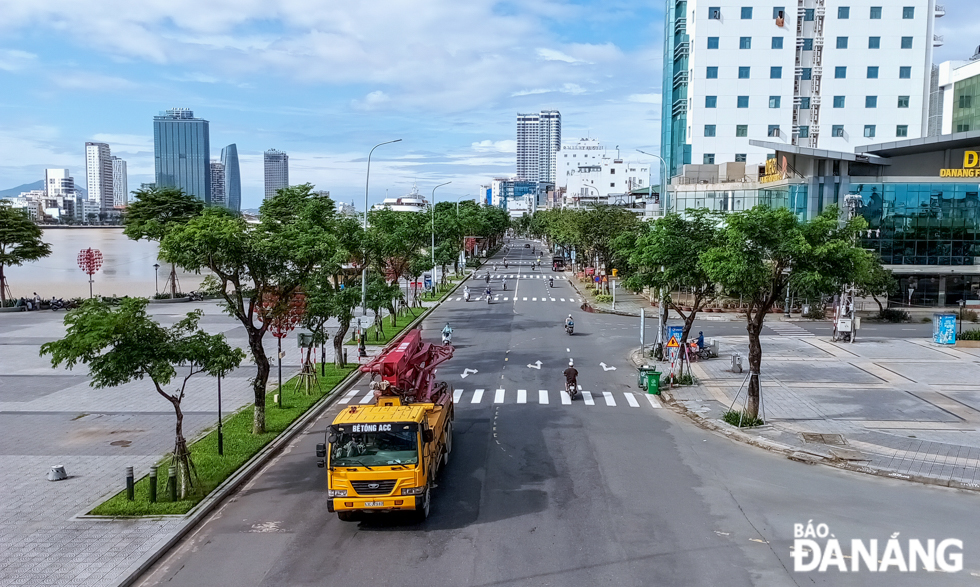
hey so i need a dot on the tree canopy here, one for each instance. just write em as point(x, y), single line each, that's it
point(20, 241)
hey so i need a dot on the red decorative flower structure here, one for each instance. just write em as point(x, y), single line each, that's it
point(90, 260)
point(282, 316)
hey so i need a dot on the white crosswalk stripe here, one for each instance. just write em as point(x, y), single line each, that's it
point(566, 400)
point(367, 397)
point(477, 396)
point(522, 396)
point(457, 395)
point(631, 400)
point(610, 400)
point(788, 329)
point(500, 396)
point(654, 402)
point(542, 396)
point(349, 396)
point(587, 397)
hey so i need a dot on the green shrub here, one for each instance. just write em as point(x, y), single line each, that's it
point(971, 316)
point(970, 335)
point(603, 298)
point(816, 312)
point(926, 320)
point(895, 315)
point(741, 419)
point(685, 379)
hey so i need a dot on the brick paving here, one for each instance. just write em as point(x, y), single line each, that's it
point(53, 417)
point(909, 407)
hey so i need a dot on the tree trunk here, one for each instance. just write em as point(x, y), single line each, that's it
point(338, 342)
point(173, 281)
point(754, 328)
point(3, 288)
point(261, 378)
point(379, 327)
point(881, 309)
point(182, 456)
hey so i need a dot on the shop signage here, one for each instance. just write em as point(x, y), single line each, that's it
point(971, 166)
point(772, 172)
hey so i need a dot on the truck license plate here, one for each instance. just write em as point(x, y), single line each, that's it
point(373, 504)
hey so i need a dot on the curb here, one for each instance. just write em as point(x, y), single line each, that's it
point(252, 466)
point(797, 454)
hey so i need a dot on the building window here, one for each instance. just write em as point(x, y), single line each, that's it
point(966, 101)
point(837, 130)
point(838, 101)
point(876, 13)
point(906, 42)
point(874, 42)
point(773, 130)
point(709, 130)
point(842, 42)
point(804, 103)
point(808, 44)
point(712, 73)
point(843, 12)
point(740, 157)
point(612, 184)
point(778, 12)
point(612, 171)
point(806, 73)
point(903, 101)
point(775, 72)
point(872, 72)
point(871, 101)
point(777, 42)
point(908, 12)
point(869, 131)
point(714, 13)
point(808, 14)
point(709, 158)
point(840, 72)
point(905, 72)
point(962, 127)
point(743, 101)
point(745, 42)
point(741, 130)
point(743, 72)
point(711, 101)
point(712, 42)
point(902, 130)
point(804, 132)
point(746, 12)
point(774, 101)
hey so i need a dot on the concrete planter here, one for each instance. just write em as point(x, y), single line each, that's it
point(170, 301)
point(970, 344)
point(13, 309)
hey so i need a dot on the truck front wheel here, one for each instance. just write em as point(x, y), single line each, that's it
point(347, 516)
point(449, 444)
point(424, 505)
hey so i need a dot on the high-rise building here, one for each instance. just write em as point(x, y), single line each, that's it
point(58, 183)
point(120, 183)
point(825, 74)
point(276, 172)
point(538, 143)
point(233, 178)
point(98, 175)
point(218, 184)
point(182, 152)
point(958, 94)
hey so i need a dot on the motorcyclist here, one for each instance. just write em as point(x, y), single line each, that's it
point(488, 277)
point(489, 294)
point(569, 321)
point(466, 293)
point(551, 282)
point(447, 332)
point(700, 341)
point(504, 284)
point(571, 377)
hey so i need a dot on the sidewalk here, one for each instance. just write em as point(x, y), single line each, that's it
point(53, 417)
point(905, 409)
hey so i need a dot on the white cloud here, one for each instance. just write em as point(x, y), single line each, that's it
point(645, 98)
point(93, 82)
point(569, 88)
point(555, 55)
point(15, 60)
point(530, 92)
point(488, 146)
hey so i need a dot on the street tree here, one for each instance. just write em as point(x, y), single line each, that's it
point(298, 231)
point(154, 212)
point(762, 251)
point(875, 282)
point(125, 344)
point(668, 256)
point(20, 241)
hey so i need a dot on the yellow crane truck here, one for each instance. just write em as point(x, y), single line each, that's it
point(384, 456)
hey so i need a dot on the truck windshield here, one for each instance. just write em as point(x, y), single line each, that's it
point(374, 449)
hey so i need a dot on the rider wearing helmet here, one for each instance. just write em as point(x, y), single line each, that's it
point(571, 376)
point(569, 321)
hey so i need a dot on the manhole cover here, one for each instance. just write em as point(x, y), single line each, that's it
point(823, 438)
point(122, 443)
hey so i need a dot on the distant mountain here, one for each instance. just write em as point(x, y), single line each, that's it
point(37, 185)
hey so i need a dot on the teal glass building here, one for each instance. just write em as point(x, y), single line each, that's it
point(182, 152)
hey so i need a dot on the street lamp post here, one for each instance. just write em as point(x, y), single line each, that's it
point(433, 204)
point(156, 277)
point(367, 182)
point(664, 183)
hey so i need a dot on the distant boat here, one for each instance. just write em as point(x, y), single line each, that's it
point(411, 202)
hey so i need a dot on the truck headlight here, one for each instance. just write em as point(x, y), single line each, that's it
point(336, 493)
point(413, 490)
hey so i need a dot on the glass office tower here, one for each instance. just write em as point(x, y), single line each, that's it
point(181, 152)
point(233, 178)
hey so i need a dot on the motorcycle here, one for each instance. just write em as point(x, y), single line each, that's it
point(488, 278)
point(195, 296)
point(571, 390)
point(505, 285)
point(488, 299)
point(569, 328)
point(551, 282)
point(466, 296)
point(447, 338)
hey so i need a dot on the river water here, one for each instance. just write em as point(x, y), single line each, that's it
point(127, 267)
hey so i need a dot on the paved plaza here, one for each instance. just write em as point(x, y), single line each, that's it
point(53, 417)
point(907, 409)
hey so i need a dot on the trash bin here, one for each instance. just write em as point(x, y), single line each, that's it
point(653, 382)
point(641, 376)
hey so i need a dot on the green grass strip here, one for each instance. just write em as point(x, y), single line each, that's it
point(239, 446)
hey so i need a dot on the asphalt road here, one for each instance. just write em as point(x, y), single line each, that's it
point(609, 490)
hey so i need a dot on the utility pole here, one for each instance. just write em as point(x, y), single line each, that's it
point(852, 205)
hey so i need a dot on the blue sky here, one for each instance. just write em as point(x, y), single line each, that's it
point(325, 81)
